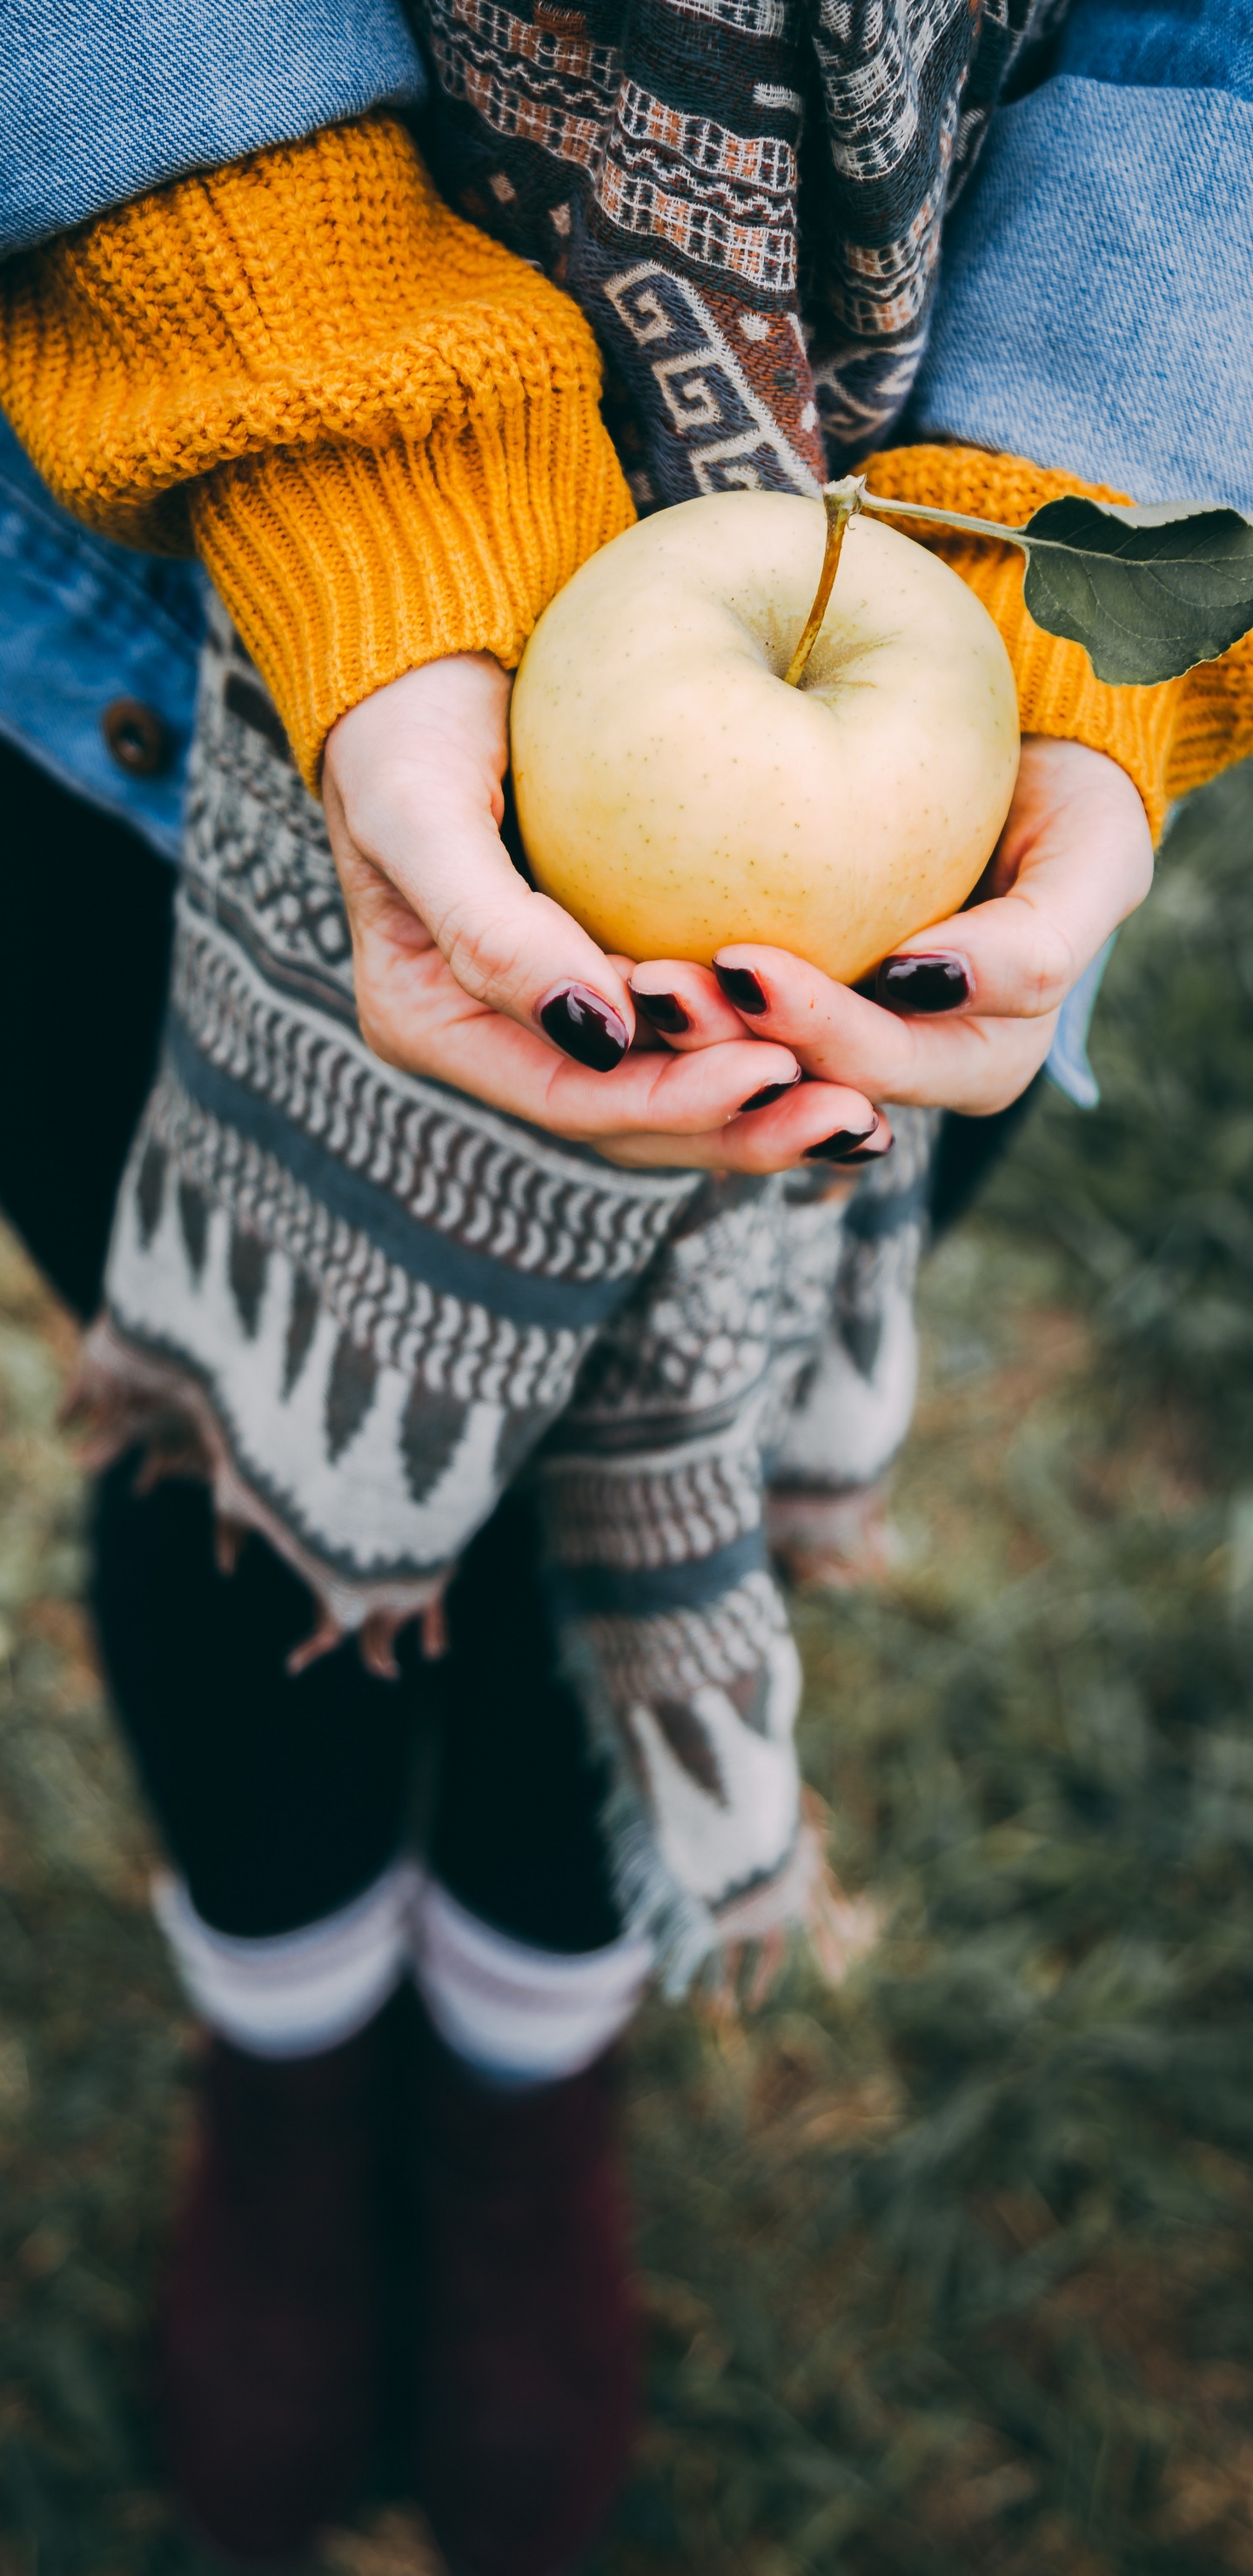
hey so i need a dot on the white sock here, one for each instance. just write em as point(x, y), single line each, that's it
point(516, 2014)
point(294, 1994)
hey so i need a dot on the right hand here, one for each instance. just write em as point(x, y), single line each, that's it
point(465, 973)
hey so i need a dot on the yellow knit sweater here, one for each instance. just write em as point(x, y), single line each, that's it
point(379, 430)
point(381, 433)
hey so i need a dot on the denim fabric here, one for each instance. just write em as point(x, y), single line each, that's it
point(1175, 44)
point(102, 99)
point(83, 623)
point(1067, 1063)
point(1096, 310)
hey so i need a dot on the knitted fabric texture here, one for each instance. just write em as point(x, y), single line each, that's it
point(361, 1306)
point(762, 300)
point(1169, 738)
point(403, 418)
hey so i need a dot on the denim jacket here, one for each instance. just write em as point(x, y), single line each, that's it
point(1098, 272)
point(101, 100)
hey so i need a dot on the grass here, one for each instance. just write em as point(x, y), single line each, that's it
point(950, 2270)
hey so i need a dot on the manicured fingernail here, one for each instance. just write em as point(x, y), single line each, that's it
point(848, 1145)
point(581, 1024)
point(866, 1154)
point(742, 989)
point(663, 1012)
point(940, 982)
point(769, 1091)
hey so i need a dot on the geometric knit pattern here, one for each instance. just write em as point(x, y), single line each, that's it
point(361, 1305)
point(762, 308)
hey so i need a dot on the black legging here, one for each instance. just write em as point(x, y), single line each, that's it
point(278, 1799)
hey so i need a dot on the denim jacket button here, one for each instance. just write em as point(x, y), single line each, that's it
point(136, 738)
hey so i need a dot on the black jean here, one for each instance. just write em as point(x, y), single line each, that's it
point(278, 1799)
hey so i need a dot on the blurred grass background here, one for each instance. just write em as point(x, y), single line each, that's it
point(948, 2271)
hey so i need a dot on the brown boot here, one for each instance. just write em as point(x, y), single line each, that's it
point(269, 2324)
point(530, 2338)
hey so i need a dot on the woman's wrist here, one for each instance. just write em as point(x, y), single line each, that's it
point(344, 566)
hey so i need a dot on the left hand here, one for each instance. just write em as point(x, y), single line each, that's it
point(972, 1002)
point(455, 957)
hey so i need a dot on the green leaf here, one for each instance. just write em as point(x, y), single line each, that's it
point(1147, 592)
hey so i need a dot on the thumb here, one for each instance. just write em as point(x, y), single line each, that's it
point(508, 945)
point(1076, 856)
point(412, 788)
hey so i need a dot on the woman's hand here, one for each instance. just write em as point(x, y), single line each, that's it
point(464, 973)
point(412, 782)
point(971, 1004)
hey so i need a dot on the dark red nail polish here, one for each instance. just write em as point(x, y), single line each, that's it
point(583, 1026)
point(742, 989)
point(769, 1091)
point(663, 1012)
point(866, 1154)
point(924, 984)
point(848, 1145)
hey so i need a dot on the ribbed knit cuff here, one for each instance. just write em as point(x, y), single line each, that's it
point(381, 428)
point(1214, 725)
point(344, 566)
point(1168, 737)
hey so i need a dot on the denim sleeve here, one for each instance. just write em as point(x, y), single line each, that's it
point(90, 634)
point(1096, 307)
point(103, 99)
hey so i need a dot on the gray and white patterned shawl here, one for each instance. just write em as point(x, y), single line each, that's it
point(746, 197)
point(361, 1305)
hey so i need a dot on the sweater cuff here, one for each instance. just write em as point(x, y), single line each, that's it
point(381, 429)
point(1170, 736)
point(344, 566)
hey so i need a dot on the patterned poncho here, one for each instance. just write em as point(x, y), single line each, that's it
point(745, 196)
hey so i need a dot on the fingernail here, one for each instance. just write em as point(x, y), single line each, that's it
point(583, 1026)
point(742, 989)
point(866, 1154)
point(848, 1145)
point(940, 982)
point(663, 1012)
point(769, 1091)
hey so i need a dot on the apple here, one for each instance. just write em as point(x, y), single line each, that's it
point(675, 793)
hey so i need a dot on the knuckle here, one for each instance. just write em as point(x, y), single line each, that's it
point(489, 963)
point(468, 954)
point(1050, 969)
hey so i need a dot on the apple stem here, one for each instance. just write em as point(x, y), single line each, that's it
point(841, 501)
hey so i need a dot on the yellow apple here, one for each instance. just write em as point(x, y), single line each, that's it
point(675, 794)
